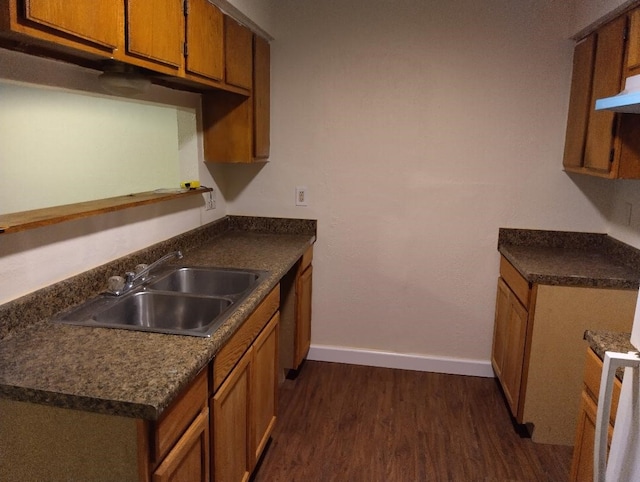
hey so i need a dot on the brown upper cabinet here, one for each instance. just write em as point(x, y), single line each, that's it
point(633, 44)
point(601, 143)
point(205, 53)
point(238, 51)
point(92, 27)
point(183, 40)
point(237, 128)
point(155, 32)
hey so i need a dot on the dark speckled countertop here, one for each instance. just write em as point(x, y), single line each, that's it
point(570, 258)
point(129, 373)
point(601, 341)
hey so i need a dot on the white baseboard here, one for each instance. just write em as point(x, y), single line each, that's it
point(354, 356)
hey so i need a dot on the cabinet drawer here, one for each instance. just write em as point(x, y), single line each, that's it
point(516, 282)
point(592, 374)
point(233, 350)
point(178, 417)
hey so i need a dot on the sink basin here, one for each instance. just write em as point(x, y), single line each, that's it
point(166, 313)
point(206, 281)
point(183, 301)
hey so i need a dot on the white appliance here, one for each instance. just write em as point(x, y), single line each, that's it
point(623, 463)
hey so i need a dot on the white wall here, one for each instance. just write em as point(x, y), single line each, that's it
point(420, 128)
point(33, 259)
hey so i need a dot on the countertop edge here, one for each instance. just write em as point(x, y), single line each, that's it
point(559, 280)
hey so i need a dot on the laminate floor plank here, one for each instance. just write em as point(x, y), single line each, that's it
point(348, 423)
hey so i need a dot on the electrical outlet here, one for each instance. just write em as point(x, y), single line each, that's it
point(301, 196)
point(210, 200)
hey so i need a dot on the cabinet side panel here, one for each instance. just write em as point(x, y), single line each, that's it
point(262, 98)
point(38, 442)
point(556, 360)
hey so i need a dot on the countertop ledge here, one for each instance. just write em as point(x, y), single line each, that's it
point(601, 341)
point(562, 258)
point(137, 374)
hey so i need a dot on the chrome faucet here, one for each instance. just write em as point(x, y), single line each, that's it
point(142, 270)
point(119, 285)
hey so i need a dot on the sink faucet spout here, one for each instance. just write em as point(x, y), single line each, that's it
point(131, 278)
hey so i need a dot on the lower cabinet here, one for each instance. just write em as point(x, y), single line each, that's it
point(263, 393)
point(582, 463)
point(244, 403)
point(535, 326)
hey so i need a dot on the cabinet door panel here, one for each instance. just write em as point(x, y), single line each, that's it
point(500, 328)
point(155, 30)
point(514, 353)
point(239, 51)
point(579, 102)
point(510, 331)
point(95, 22)
point(189, 458)
point(582, 464)
point(205, 40)
point(231, 425)
point(264, 387)
point(607, 77)
point(633, 45)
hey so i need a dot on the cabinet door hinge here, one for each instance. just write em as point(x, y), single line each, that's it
point(625, 33)
point(611, 155)
point(185, 7)
point(185, 49)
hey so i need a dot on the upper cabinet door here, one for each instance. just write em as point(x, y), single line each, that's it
point(93, 22)
point(579, 102)
point(205, 39)
point(239, 51)
point(155, 31)
point(633, 45)
point(607, 81)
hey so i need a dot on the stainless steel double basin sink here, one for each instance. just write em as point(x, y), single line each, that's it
point(185, 301)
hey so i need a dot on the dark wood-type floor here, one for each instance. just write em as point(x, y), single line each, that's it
point(352, 423)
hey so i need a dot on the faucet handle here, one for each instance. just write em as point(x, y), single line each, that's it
point(115, 284)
